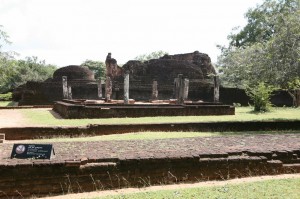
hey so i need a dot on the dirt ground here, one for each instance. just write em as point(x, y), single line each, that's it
point(173, 187)
point(14, 118)
point(11, 118)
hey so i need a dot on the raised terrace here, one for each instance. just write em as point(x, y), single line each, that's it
point(99, 109)
point(88, 166)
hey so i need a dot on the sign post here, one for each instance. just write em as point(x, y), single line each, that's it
point(32, 151)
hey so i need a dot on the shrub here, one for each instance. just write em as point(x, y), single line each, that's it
point(6, 97)
point(260, 96)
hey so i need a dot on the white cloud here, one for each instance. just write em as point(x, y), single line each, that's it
point(67, 32)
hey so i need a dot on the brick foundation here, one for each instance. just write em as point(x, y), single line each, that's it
point(40, 178)
point(73, 110)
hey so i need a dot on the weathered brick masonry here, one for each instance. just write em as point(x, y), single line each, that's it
point(88, 166)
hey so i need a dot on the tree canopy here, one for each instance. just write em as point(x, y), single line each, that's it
point(262, 25)
point(14, 73)
point(98, 67)
point(153, 55)
point(267, 49)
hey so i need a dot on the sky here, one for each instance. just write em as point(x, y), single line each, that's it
point(66, 32)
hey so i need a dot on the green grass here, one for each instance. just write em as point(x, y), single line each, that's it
point(7, 103)
point(283, 188)
point(155, 135)
point(42, 117)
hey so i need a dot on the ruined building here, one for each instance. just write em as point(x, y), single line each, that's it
point(80, 79)
point(194, 66)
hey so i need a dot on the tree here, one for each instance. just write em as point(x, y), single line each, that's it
point(97, 67)
point(153, 55)
point(7, 64)
point(270, 58)
point(14, 73)
point(261, 24)
point(260, 96)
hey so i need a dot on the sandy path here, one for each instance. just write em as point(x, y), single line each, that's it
point(11, 118)
point(173, 187)
point(15, 118)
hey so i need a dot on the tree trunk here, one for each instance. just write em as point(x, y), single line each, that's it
point(295, 94)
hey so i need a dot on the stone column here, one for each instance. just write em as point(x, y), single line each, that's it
point(108, 88)
point(180, 99)
point(69, 92)
point(99, 85)
point(176, 88)
point(216, 88)
point(126, 87)
point(154, 90)
point(65, 87)
point(186, 89)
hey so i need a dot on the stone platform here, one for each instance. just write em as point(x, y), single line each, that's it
point(88, 166)
point(76, 109)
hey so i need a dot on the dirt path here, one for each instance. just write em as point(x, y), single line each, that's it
point(173, 187)
point(12, 118)
point(15, 118)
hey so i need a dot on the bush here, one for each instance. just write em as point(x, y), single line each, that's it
point(6, 97)
point(260, 96)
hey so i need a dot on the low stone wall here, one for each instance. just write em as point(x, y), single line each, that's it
point(88, 166)
point(75, 111)
point(52, 178)
point(22, 133)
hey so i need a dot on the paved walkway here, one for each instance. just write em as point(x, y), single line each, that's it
point(164, 148)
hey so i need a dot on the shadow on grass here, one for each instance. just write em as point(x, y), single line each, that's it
point(12, 103)
point(54, 114)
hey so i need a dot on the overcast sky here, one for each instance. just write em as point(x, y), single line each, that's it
point(65, 32)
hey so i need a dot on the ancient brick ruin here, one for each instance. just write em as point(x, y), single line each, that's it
point(161, 74)
point(135, 163)
point(79, 79)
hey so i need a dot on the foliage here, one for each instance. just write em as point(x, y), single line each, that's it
point(18, 72)
point(260, 95)
point(97, 67)
point(3, 37)
point(153, 55)
point(294, 90)
point(272, 51)
point(14, 73)
point(294, 84)
point(6, 96)
point(261, 24)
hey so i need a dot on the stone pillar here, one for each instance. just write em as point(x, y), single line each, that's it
point(108, 88)
point(180, 99)
point(154, 91)
point(69, 92)
point(126, 87)
point(65, 87)
point(216, 89)
point(186, 89)
point(99, 89)
point(176, 88)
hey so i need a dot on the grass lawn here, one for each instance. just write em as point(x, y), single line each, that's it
point(283, 188)
point(43, 117)
point(7, 103)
